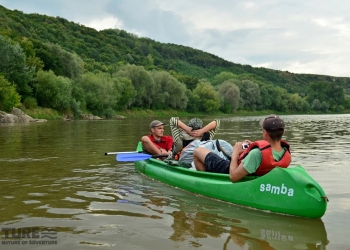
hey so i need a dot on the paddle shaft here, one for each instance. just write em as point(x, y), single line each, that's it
point(159, 156)
point(115, 153)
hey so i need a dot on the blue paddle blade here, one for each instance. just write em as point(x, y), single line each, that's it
point(132, 157)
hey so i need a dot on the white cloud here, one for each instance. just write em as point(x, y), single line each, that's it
point(105, 23)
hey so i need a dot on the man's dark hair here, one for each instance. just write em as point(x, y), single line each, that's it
point(276, 134)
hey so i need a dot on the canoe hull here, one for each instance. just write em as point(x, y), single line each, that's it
point(289, 191)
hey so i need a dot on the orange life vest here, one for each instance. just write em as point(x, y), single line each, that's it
point(267, 161)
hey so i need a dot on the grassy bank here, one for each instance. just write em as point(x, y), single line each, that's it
point(43, 113)
point(51, 114)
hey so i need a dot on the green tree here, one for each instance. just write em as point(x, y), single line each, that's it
point(250, 96)
point(206, 97)
point(316, 104)
point(222, 77)
point(190, 81)
point(9, 97)
point(127, 92)
point(60, 61)
point(101, 95)
point(330, 94)
point(230, 95)
point(295, 102)
point(14, 68)
point(78, 103)
point(170, 92)
point(305, 106)
point(325, 106)
point(53, 91)
point(194, 102)
point(274, 97)
point(32, 59)
point(143, 84)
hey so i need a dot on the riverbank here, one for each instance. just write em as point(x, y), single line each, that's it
point(50, 114)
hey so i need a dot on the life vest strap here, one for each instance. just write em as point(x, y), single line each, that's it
point(222, 150)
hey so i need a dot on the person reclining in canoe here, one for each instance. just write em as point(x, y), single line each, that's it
point(220, 147)
point(157, 143)
point(184, 134)
point(259, 158)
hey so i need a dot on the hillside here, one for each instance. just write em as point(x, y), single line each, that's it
point(112, 47)
point(50, 62)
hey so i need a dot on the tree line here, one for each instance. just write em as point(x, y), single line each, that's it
point(68, 87)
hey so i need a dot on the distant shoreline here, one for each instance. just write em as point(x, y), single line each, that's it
point(50, 114)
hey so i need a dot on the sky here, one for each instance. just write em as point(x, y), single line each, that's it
point(299, 36)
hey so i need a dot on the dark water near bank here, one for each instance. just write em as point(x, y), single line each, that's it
point(55, 176)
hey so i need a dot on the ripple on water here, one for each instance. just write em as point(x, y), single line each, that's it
point(31, 202)
point(37, 194)
point(65, 211)
point(73, 199)
point(124, 208)
point(96, 195)
point(27, 159)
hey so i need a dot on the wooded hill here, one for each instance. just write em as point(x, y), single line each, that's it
point(43, 38)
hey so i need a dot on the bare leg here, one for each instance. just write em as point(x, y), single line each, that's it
point(149, 146)
point(198, 157)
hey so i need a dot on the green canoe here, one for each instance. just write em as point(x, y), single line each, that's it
point(289, 191)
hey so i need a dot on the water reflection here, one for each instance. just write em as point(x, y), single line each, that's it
point(195, 218)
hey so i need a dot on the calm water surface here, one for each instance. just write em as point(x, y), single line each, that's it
point(54, 175)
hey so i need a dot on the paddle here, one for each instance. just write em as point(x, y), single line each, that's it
point(115, 153)
point(136, 156)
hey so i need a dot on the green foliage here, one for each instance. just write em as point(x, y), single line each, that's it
point(127, 92)
point(250, 97)
point(53, 91)
point(316, 104)
point(295, 102)
point(30, 103)
point(43, 113)
point(230, 96)
point(189, 81)
point(305, 106)
point(143, 84)
point(32, 60)
point(13, 66)
point(194, 102)
point(206, 98)
point(331, 95)
point(78, 103)
point(324, 106)
point(101, 95)
point(9, 98)
point(60, 61)
point(170, 92)
point(274, 98)
point(76, 108)
point(222, 77)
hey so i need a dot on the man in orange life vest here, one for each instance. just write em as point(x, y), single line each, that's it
point(156, 143)
point(259, 158)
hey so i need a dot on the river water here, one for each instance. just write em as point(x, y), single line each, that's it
point(58, 187)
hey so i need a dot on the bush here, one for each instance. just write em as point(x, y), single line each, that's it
point(76, 108)
point(9, 97)
point(30, 103)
